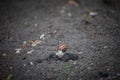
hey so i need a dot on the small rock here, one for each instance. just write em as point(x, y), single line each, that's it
point(31, 63)
point(80, 52)
point(5, 55)
point(36, 25)
point(18, 50)
point(74, 62)
point(105, 47)
point(24, 64)
point(91, 64)
point(69, 14)
point(11, 67)
point(93, 14)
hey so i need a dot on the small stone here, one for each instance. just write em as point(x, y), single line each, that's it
point(24, 64)
point(80, 52)
point(74, 62)
point(105, 47)
point(11, 67)
point(93, 13)
point(91, 64)
point(69, 14)
point(31, 63)
point(18, 50)
point(5, 55)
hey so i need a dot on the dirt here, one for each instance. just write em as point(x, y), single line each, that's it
point(94, 38)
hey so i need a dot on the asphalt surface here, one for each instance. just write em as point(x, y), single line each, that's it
point(90, 28)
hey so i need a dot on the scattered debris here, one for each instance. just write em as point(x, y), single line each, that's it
point(5, 55)
point(30, 52)
point(93, 14)
point(18, 50)
point(36, 42)
point(10, 77)
point(31, 43)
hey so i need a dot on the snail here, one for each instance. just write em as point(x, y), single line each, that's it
point(62, 55)
point(61, 49)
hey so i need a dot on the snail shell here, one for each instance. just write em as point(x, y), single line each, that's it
point(62, 47)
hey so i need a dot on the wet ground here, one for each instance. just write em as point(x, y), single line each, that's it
point(30, 30)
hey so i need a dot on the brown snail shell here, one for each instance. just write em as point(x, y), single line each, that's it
point(62, 47)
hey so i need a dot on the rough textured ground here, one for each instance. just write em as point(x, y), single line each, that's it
point(96, 39)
